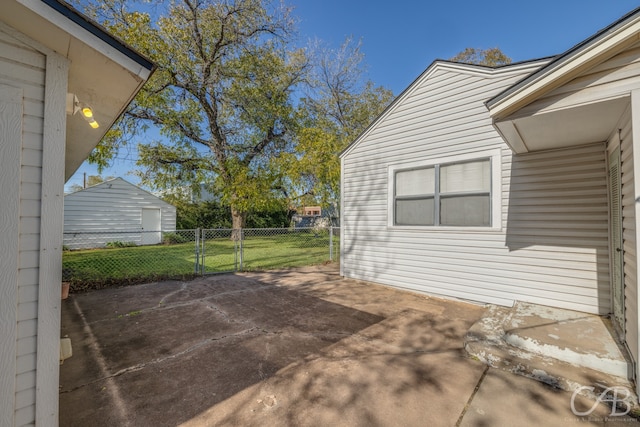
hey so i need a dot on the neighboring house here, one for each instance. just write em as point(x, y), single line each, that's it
point(51, 59)
point(315, 216)
point(186, 193)
point(310, 216)
point(115, 210)
point(311, 211)
point(515, 183)
point(205, 195)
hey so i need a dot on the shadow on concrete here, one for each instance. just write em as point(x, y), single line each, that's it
point(163, 353)
point(408, 369)
point(293, 347)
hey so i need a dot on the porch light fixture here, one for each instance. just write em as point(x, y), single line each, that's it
point(74, 106)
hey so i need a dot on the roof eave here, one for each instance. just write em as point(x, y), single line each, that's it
point(104, 72)
point(605, 43)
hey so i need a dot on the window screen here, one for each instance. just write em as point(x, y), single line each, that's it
point(465, 194)
point(414, 197)
point(453, 194)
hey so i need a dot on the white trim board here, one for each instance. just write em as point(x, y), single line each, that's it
point(51, 226)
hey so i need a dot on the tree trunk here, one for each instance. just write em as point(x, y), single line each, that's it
point(238, 219)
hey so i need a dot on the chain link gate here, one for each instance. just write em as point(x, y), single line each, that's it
point(226, 250)
point(218, 250)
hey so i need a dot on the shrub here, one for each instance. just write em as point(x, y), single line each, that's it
point(120, 244)
point(173, 239)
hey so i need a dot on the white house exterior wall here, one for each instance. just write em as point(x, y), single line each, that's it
point(115, 205)
point(30, 71)
point(552, 244)
point(624, 137)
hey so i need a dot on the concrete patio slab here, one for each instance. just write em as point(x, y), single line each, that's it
point(573, 337)
point(566, 349)
point(299, 347)
point(506, 400)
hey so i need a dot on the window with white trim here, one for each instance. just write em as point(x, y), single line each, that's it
point(454, 194)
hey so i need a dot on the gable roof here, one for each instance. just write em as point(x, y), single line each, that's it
point(104, 72)
point(436, 65)
point(601, 46)
point(121, 183)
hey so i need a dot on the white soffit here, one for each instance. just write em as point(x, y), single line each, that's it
point(565, 128)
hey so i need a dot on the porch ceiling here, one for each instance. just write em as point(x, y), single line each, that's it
point(563, 128)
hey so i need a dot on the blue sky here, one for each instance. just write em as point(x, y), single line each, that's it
point(401, 38)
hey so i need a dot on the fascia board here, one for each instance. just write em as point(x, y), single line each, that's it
point(566, 67)
point(131, 60)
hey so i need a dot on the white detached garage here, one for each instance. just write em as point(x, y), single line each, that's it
point(115, 210)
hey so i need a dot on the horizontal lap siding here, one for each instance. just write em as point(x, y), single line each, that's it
point(629, 237)
point(559, 198)
point(24, 67)
point(614, 77)
point(112, 206)
point(552, 248)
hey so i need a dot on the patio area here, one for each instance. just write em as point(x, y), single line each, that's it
point(300, 347)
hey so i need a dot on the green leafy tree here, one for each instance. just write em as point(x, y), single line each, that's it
point(209, 214)
point(221, 96)
point(214, 214)
point(492, 57)
point(338, 107)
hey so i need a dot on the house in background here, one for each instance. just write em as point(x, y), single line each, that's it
point(311, 211)
point(515, 183)
point(186, 193)
point(53, 62)
point(115, 210)
point(315, 216)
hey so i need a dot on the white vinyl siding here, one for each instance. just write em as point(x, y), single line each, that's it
point(614, 78)
point(24, 68)
point(114, 205)
point(11, 134)
point(550, 245)
point(629, 235)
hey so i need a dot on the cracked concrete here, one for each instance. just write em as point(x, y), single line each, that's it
point(287, 348)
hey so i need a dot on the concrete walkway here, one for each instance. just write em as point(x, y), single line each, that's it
point(291, 348)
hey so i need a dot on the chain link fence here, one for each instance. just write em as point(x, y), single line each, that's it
point(95, 260)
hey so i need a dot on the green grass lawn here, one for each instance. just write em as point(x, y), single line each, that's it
point(97, 268)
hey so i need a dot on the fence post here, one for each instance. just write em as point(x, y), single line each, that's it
point(241, 248)
point(330, 243)
point(203, 240)
point(197, 251)
point(235, 253)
